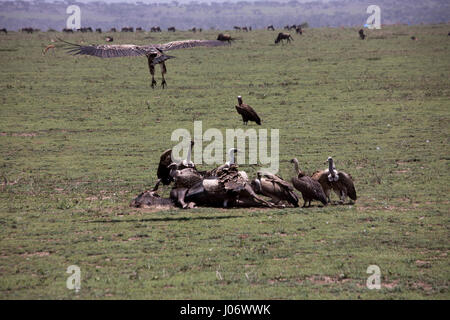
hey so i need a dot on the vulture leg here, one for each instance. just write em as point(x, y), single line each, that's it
point(156, 185)
point(152, 70)
point(163, 71)
point(178, 195)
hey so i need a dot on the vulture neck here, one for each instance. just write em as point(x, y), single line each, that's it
point(331, 167)
point(239, 101)
point(231, 156)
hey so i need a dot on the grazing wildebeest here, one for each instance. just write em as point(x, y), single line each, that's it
point(271, 28)
point(4, 30)
point(171, 29)
point(27, 30)
point(237, 28)
point(155, 29)
point(85, 29)
point(194, 30)
point(67, 30)
point(127, 29)
point(99, 30)
point(139, 29)
point(155, 53)
point(299, 30)
point(245, 29)
point(224, 37)
point(113, 30)
point(361, 34)
point(283, 36)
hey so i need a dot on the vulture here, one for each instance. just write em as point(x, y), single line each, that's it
point(163, 172)
point(310, 188)
point(231, 162)
point(339, 181)
point(184, 179)
point(274, 187)
point(247, 112)
point(155, 53)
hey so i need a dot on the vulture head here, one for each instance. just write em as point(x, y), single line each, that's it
point(239, 100)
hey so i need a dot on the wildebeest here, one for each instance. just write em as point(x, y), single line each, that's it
point(98, 30)
point(67, 30)
point(4, 30)
point(155, 29)
point(299, 30)
point(127, 29)
point(28, 30)
point(113, 30)
point(245, 29)
point(171, 29)
point(271, 28)
point(109, 39)
point(224, 37)
point(361, 34)
point(194, 30)
point(139, 29)
point(237, 28)
point(85, 29)
point(283, 36)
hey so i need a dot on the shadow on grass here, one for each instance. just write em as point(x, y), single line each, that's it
point(165, 219)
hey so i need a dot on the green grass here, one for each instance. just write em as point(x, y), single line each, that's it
point(81, 136)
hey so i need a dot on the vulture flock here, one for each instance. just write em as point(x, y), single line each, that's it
point(225, 186)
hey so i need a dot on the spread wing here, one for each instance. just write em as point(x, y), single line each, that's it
point(185, 44)
point(132, 50)
point(109, 50)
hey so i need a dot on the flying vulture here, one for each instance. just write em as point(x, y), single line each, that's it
point(155, 53)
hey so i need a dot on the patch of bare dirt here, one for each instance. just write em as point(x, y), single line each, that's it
point(38, 254)
point(423, 264)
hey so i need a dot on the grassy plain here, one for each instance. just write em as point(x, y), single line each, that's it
point(81, 136)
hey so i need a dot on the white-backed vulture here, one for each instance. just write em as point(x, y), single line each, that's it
point(184, 180)
point(274, 187)
point(339, 181)
point(310, 188)
point(154, 52)
point(247, 112)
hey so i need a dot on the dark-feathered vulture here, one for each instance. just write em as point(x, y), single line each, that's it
point(310, 188)
point(154, 52)
point(247, 112)
point(163, 172)
point(339, 181)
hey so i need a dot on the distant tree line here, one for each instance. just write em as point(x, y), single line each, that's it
point(15, 15)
